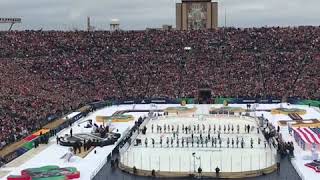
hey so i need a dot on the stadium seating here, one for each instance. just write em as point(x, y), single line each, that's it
point(51, 72)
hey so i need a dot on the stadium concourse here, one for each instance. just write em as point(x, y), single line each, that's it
point(92, 166)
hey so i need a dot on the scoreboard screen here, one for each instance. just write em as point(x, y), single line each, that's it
point(10, 20)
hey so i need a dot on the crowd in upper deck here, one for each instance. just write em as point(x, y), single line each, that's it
point(52, 72)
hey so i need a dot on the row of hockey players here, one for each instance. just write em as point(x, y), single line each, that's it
point(196, 128)
point(203, 142)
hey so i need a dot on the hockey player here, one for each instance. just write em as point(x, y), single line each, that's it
point(167, 141)
point(171, 142)
point(228, 128)
point(146, 142)
point(206, 141)
point(232, 143)
point(201, 142)
point(215, 142)
point(187, 142)
point(198, 128)
point(238, 128)
point(214, 128)
point(182, 142)
point(152, 142)
point(228, 142)
point(212, 142)
point(160, 141)
point(220, 142)
point(259, 140)
point(232, 128)
point(198, 142)
point(242, 143)
point(177, 142)
point(251, 142)
point(152, 128)
point(237, 142)
point(224, 129)
point(219, 135)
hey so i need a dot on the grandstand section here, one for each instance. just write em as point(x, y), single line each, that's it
point(64, 70)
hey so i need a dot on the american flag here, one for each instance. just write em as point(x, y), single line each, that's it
point(308, 135)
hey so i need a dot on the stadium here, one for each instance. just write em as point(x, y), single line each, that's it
point(192, 101)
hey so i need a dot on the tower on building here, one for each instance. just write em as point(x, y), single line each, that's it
point(196, 14)
point(114, 25)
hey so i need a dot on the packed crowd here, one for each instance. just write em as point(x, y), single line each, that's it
point(51, 72)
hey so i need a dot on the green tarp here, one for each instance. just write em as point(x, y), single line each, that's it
point(311, 102)
point(28, 145)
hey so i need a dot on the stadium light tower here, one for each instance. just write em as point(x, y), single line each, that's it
point(11, 21)
point(194, 161)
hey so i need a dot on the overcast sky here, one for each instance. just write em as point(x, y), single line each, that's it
point(139, 14)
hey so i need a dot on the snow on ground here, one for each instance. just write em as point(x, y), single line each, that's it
point(52, 154)
point(71, 115)
point(88, 165)
point(300, 155)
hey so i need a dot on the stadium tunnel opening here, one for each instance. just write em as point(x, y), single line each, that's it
point(204, 96)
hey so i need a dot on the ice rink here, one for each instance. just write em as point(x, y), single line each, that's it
point(177, 154)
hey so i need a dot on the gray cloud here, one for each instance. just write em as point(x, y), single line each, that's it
point(139, 14)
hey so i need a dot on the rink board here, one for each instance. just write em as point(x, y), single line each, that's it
point(172, 160)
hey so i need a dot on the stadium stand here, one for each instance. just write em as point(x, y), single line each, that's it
point(46, 73)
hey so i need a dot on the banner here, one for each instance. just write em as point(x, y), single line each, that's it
point(149, 101)
point(247, 100)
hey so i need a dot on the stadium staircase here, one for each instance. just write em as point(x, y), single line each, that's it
point(300, 73)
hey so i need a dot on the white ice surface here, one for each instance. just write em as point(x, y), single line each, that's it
point(177, 158)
